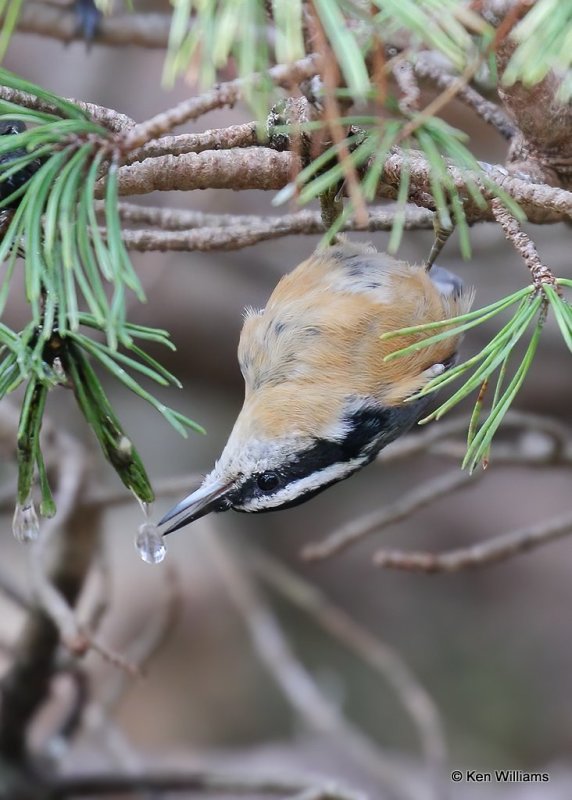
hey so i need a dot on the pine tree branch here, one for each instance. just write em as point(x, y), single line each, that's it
point(542, 149)
point(481, 554)
point(430, 67)
point(542, 204)
point(246, 231)
point(247, 168)
point(267, 169)
point(60, 22)
point(412, 501)
point(225, 94)
point(524, 245)
point(108, 117)
point(245, 135)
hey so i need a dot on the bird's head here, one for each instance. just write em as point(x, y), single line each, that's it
point(315, 443)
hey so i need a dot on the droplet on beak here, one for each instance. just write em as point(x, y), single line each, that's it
point(149, 544)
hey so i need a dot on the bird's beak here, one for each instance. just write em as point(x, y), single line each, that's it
point(204, 500)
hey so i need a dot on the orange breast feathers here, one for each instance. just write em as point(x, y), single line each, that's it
point(320, 331)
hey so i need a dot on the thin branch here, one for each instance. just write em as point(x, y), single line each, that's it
point(60, 22)
point(50, 597)
point(428, 67)
point(296, 683)
point(177, 219)
point(404, 75)
point(225, 94)
point(431, 441)
point(171, 219)
point(438, 103)
point(523, 245)
point(482, 554)
point(245, 135)
point(412, 501)
point(96, 612)
point(261, 229)
point(428, 439)
point(97, 718)
point(12, 590)
point(378, 656)
point(541, 453)
point(541, 203)
point(113, 120)
point(422, 439)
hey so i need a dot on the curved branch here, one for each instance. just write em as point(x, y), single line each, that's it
point(225, 94)
point(108, 117)
point(247, 231)
point(481, 554)
point(412, 501)
point(26, 685)
point(429, 65)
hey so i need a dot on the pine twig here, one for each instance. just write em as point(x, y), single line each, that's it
point(412, 501)
point(523, 244)
point(244, 168)
point(249, 231)
point(108, 117)
point(481, 554)
point(427, 66)
point(225, 94)
point(245, 135)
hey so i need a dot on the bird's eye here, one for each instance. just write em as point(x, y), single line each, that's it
point(268, 481)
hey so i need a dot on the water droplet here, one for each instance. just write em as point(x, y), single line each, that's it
point(149, 544)
point(25, 525)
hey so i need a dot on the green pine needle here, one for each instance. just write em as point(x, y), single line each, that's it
point(74, 276)
point(494, 356)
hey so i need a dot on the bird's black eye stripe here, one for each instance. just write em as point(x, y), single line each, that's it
point(268, 481)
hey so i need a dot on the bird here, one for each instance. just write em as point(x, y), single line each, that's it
point(320, 399)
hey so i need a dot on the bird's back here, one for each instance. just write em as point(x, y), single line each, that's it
point(324, 320)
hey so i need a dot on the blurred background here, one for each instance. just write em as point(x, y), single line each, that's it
point(492, 647)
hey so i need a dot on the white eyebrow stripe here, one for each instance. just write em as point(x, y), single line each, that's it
point(303, 486)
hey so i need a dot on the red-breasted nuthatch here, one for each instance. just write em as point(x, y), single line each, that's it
point(320, 400)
